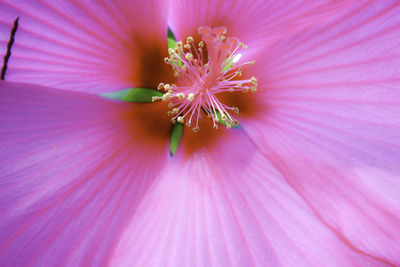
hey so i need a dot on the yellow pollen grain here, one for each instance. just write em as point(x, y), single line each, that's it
point(180, 119)
point(243, 45)
point(189, 39)
point(189, 56)
point(180, 96)
point(166, 96)
point(190, 97)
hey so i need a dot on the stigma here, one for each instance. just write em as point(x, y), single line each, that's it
point(200, 80)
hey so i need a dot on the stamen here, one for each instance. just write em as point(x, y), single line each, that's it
point(200, 81)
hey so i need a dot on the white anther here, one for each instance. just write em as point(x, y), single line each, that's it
point(243, 45)
point(166, 96)
point(190, 97)
point(180, 96)
point(155, 98)
point(189, 56)
point(180, 119)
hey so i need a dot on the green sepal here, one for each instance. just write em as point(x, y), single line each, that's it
point(171, 43)
point(141, 95)
point(115, 95)
point(228, 65)
point(176, 135)
point(171, 39)
point(223, 122)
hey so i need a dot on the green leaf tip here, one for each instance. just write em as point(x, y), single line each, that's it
point(141, 95)
point(171, 39)
point(176, 135)
point(115, 95)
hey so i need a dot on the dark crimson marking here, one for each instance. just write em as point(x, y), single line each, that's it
point(9, 45)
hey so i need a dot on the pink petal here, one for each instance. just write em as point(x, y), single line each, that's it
point(331, 124)
point(91, 46)
point(256, 23)
point(229, 206)
point(73, 171)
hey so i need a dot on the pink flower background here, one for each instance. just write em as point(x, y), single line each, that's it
point(310, 179)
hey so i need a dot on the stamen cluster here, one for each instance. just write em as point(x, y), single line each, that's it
point(199, 81)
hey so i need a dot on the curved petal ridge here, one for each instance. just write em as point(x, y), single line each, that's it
point(330, 123)
point(90, 46)
point(229, 207)
point(73, 172)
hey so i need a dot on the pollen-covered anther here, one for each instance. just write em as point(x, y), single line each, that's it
point(190, 97)
point(166, 97)
point(180, 96)
point(189, 40)
point(204, 70)
point(189, 56)
point(175, 111)
point(160, 87)
point(180, 119)
point(155, 98)
point(243, 45)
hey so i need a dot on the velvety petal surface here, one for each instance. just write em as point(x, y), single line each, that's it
point(256, 23)
point(91, 46)
point(73, 170)
point(329, 121)
point(229, 206)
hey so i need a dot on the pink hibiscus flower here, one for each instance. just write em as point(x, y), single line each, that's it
point(311, 178)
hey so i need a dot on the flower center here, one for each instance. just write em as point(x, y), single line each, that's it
point(199, 81)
